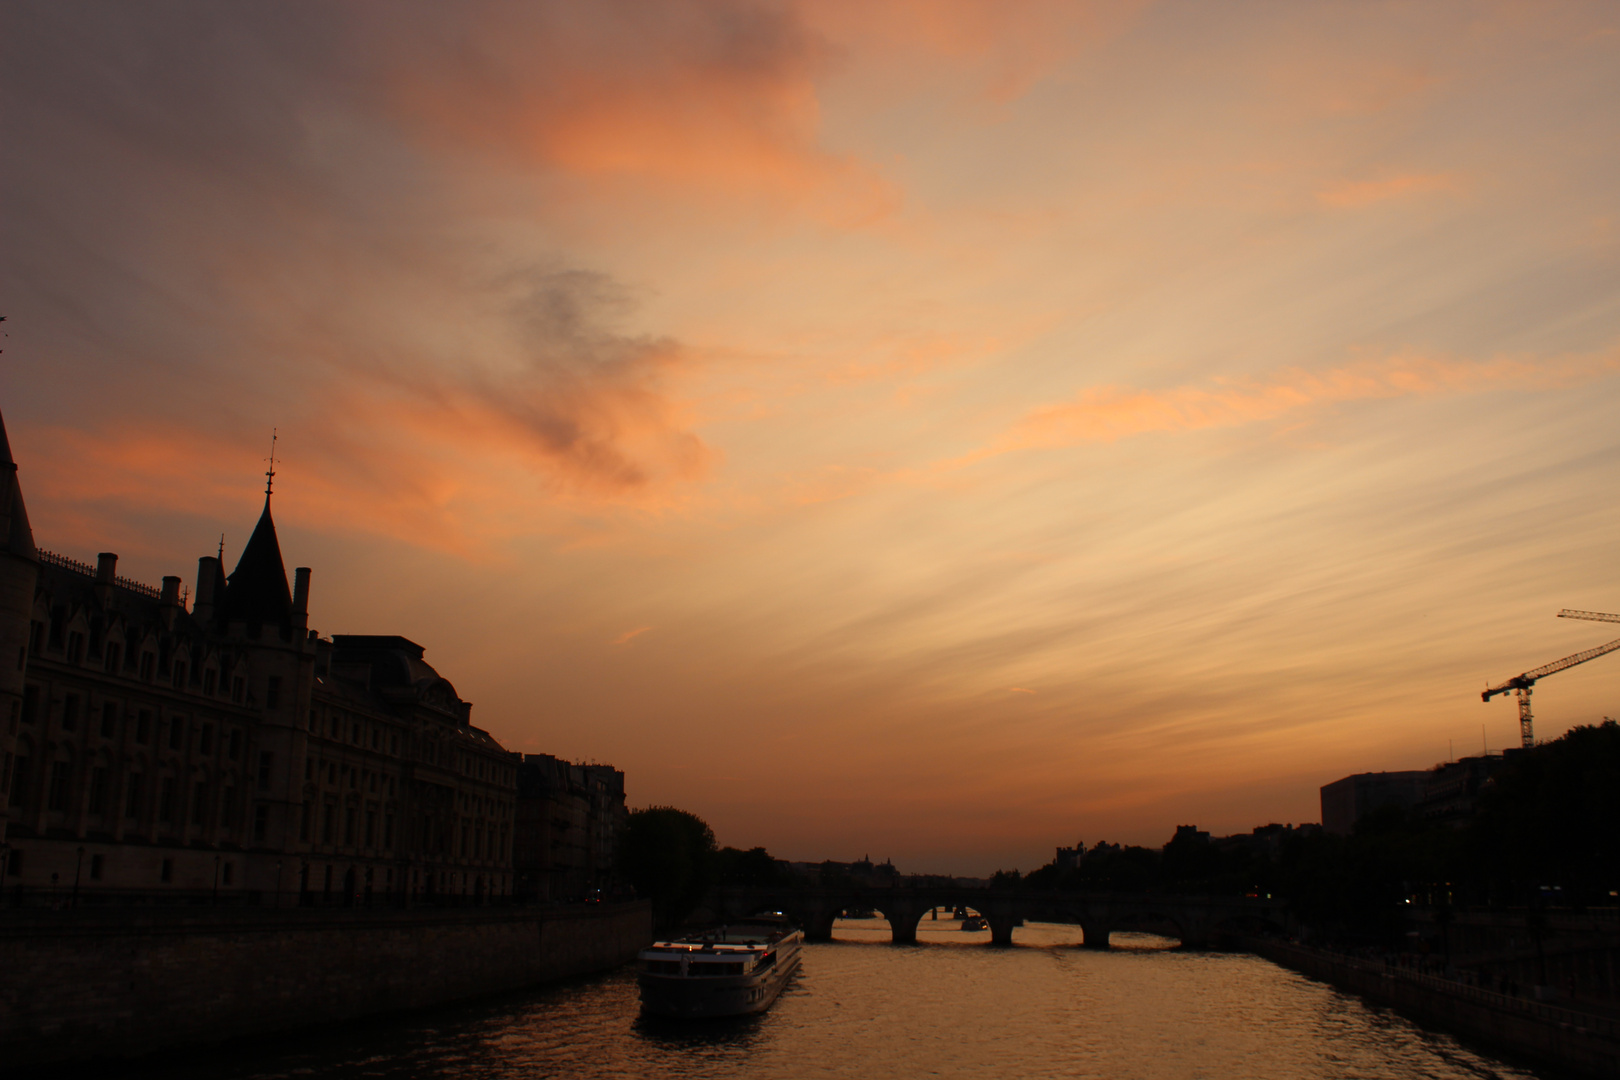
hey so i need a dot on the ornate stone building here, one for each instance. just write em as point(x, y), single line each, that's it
point(569, 819)
point(228, 751)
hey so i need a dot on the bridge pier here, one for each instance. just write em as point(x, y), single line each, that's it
point(1094, 935)
point(903, 913)
point(1001, 928)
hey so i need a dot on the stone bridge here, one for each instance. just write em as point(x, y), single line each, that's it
point(1197, 921)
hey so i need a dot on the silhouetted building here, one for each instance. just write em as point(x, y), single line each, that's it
point(153, 751)
point(1069, 858)
point(1347, 801)
point(569, 819)
point(1451, 791)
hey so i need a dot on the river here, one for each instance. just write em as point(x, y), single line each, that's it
point(951, 1006)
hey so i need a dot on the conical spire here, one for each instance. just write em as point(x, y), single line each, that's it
point(256, 591)
point(16, 537)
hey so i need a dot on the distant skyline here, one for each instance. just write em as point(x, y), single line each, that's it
point(932, 430)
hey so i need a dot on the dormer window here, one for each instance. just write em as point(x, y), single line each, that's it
point(75, 648)
point(112, 656)
point(179, 675)
point(148, 666)
point(210, 681)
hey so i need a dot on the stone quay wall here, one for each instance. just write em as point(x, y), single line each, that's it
point(1582, 1043)
point(80, 985)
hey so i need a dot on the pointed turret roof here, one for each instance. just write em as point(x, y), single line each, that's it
point(256, 591)
point(16, 536)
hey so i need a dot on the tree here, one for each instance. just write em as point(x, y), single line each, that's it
point(668, 856)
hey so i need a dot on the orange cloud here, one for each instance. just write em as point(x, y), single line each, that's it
point(630, 635)
point(720, 98)
point(1351, 194)
point(1108, 413)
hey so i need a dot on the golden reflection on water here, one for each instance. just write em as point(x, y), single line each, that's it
point(949, 1006)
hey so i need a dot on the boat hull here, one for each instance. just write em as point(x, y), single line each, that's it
point(702, 998)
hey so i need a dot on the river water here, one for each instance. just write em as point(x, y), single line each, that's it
point(951, 1006)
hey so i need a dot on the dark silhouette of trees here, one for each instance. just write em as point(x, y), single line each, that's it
point(668, 856)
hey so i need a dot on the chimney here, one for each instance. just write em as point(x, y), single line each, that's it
point(301, 595)
point(202, 606)
point(170, 599)
point(106, 576)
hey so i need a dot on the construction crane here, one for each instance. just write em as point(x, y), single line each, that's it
point(1523, 683)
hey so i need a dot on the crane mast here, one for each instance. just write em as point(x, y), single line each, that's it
point(1523, 683)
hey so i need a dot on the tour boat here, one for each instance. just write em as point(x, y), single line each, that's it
point(730, 971)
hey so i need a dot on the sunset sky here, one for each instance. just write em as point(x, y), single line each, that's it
point(932, 429)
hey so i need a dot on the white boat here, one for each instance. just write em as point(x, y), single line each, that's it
point(734, 970)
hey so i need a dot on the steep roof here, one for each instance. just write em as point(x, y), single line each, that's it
point(256, 591)
point(16, 536)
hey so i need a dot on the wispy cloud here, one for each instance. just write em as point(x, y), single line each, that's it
point(1109, 413)
point(630, 635)
point(1353, 194)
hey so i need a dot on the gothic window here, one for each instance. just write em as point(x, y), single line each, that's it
point(75, 648)
point(272, 692)
point(30, 703)
point(199, 803)
point(235, 750)
point(177, 732)
point(179, 675)
point(132, 796)
point(61, 781)
point(148, 666)
point(109, 719)
point(98, 790)
point(166, 800)
point(70, 712)
point(205, 739)
point(210, 681)
point(238, 689)
point(266, 760)
point(261, 821)
point(112, 657)
point(303, 823)
point(143, 726)
point(19, 777)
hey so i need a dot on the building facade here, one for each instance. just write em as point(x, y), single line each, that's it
point(1347, 801)
point(227, 751)
point(569, 819)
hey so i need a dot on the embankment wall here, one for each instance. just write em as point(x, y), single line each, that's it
point(1582, 1043)
point(78, 985)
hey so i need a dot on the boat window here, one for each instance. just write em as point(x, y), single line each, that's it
point(663, 967)
point(715, 968)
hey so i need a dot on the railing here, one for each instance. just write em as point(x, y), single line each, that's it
point(51, 558)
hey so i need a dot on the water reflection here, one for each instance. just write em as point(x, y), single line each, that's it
point(951, 1006)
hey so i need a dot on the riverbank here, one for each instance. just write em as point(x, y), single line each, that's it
point(81, 985)
point(1581, 1042)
